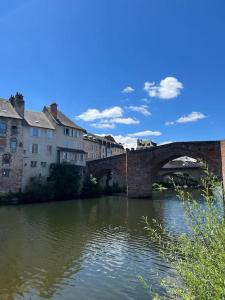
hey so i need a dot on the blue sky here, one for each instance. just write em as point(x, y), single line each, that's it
point(83, 54)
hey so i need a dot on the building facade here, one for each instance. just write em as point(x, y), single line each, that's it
point(30, 142)
point(97, 147)
point(11, 146)
point(145, 144)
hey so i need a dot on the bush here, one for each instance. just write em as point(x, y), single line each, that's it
point(198, 257)
point(37, 191)
point(91, 188)
point(64, 180)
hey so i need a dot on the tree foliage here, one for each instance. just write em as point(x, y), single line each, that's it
point(65, 181)
point(198, 256)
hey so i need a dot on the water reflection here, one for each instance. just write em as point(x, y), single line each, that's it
point(89, 249)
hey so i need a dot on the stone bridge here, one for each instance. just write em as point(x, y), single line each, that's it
point(137, 170)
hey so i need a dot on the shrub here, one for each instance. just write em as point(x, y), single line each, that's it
point(198, 257)
point(64, 180)
point(91, 188)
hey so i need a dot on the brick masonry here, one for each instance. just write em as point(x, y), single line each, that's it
point(139, 168)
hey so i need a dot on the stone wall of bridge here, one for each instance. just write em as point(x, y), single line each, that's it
point(138, 169)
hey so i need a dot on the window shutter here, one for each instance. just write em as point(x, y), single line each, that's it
point(30, 148)
point(39, 149)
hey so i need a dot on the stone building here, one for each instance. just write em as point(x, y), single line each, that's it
point(98, 147)
point(50, 137)
point(11, 143)
point(31, 141)
point(68, 137)
point(145, 144)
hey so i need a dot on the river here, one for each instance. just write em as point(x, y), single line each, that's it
point(83, 249)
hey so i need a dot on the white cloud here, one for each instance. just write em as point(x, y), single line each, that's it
point(130, 140)
point(103, 125)
point(107, 124)
point(192, 117)
point(145, 133)
point(126, 141)
point(128, 90)
point(143, 109)
point(93, 114)
point(126, 121)
point(168, 88)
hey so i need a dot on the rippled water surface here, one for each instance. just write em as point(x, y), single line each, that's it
point(85, 249)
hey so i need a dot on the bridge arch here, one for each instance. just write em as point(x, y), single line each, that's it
point(143, 165)
point(137, 169)
point(109, 171)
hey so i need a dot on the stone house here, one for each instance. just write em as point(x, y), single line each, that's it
point(98, 147)
point(50, 137)
point(11, 144)
point(145, 144)
point(68, 137)
point(39, 137)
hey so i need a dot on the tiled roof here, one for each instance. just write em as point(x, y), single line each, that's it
point(64, 120)
point(7, 110)
point(37, 119)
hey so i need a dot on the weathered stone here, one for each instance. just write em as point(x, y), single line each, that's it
point(138, 169)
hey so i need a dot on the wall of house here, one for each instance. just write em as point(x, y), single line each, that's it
point(93, 149)
point(37, 160)
point(73, 141)
point(11, 155)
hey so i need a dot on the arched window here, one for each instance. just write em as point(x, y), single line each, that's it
point(13, 144)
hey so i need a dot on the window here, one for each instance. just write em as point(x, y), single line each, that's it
point(3, 128)
point(35, 131)
point(81, 157)
point(13, 145)
point(66, 131)
point(49, 133)
point(49, 149)
point(5, 172)
point(33, 164)
point(14, 130)
point(34, 149)
point(43, 164)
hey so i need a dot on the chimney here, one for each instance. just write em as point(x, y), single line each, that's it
point(18, 103)
point(54, 109)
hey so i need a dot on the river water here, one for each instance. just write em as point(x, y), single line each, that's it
point(83, 249)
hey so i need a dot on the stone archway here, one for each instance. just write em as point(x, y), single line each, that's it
point(112, 168)
point(143, 165)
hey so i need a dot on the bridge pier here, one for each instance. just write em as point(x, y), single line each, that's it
point(139, 179)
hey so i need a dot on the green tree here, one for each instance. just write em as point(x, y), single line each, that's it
point(65, 181)
point(91, 187)
point(198, 256)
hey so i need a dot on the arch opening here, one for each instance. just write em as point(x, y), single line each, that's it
point(110, 180)
point(182, 171)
